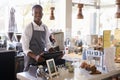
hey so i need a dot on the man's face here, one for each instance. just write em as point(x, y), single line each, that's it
point(37, 13)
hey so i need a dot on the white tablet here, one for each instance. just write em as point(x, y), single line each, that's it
point(51, 67)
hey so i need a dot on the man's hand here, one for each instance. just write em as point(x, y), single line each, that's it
point(60, 57)
point(39, 58)
point(51, 50)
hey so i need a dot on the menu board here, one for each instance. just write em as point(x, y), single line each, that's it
point(117, 54)
point(117, 37)
point(106, 38)
point(117, 51)
point(117, 34)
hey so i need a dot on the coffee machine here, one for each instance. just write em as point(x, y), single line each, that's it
point(10, 41)
point(13, 42)
point(18, 43)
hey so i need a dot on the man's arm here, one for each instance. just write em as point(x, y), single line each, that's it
point(37, 58)
point(32, 55)
point(25, 39)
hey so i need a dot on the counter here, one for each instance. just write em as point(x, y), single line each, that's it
point(77, 75)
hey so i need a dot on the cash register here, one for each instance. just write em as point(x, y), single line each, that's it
point(56, 55)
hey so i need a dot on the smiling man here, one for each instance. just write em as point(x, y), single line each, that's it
point(35, 38)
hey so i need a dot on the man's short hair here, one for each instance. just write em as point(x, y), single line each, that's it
point(37, 6)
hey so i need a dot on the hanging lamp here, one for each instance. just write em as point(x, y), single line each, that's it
point(52, 17)
point(80, 15)
point(52, 8)
point(117, 15)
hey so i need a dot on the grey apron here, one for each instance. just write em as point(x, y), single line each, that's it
point(37, 45)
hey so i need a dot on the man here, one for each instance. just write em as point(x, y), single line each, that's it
point(35, 39)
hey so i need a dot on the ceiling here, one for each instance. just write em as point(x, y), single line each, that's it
point(92, 2)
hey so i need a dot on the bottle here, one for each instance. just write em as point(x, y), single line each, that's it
point(40, 71)
point(41, 74)
point(66, 50)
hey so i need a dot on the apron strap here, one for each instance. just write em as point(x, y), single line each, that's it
point(33, 28)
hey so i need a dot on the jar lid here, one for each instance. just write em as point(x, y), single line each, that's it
point(40, 66)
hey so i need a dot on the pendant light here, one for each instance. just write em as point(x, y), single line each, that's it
point(52, 17)
point(52, 8)
point(80, 15)
point(118, 9)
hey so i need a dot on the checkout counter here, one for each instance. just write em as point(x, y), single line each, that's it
point(78, 74)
